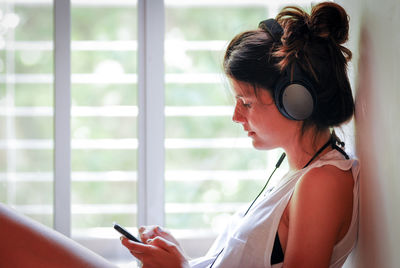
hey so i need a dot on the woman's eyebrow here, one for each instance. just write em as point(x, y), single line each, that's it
point(240, 97)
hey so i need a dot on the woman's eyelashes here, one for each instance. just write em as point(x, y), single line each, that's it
point(244, 103)
point(247, 105)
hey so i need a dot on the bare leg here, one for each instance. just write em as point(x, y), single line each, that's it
point(26, 243)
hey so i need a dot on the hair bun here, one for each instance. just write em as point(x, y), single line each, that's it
point(330, 21)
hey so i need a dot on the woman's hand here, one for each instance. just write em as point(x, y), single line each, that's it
point(152, 231)
point(157, 252)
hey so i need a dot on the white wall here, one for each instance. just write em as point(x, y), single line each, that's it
point(375, 39)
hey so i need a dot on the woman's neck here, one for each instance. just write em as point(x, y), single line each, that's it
point(300, 150)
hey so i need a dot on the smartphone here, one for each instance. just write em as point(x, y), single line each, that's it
point(125, 233)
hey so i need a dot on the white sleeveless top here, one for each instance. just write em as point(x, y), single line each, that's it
point(248, 241)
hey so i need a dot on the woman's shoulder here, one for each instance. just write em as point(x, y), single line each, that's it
point(326, 179)
point(324, 187)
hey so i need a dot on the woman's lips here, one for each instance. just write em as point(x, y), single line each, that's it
point(250, 133)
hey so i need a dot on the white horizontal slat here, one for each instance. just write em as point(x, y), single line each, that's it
point(75, 79)
point(94, 45)
point(187, 78)
point(168, 3)
point(117, 111)
point(203, 45)
point(104, 78)
point(214, 175)
point(26, 111)
point(92, 209)
point(105, 144)
point(195, 78)
point(10, 144)
point(230, 3)
point(126, 144)
point(76, 111)
point(97, 3)
point(99, 209)
point(208, 143)
point(46, 144)
point(124, 176)
point(202, 207)
point(198, 111)
point(104, 111)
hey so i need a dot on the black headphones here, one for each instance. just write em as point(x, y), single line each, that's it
point(294, 93)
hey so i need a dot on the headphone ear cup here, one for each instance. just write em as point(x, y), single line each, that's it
point(295, 100)
point(294, 94)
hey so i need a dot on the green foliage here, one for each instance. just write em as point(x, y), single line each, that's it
point(2, 93)
point(34, 127)
point(88, 61)
point(103, 160)
point(195, 62)
point(222, 191)
point(84, 221)
point(32, 95)
point(33, 62)
point(27, 193)
point(34, 160)
point(3, 127)
point(197, 94)
point(202, 127)
point(103, 23)
point(189, 220)
point(214, 159)
point(2, 63)
point(211, 23)
point(36, 22)
point(104, 127)
point(104, 94)
point(3, 160)
point(104, 192)
point(3, 191)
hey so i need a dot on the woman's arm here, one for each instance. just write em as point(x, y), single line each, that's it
point(26, 243)
point(319, 206)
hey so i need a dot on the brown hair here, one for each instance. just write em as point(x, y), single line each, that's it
point(314, 42)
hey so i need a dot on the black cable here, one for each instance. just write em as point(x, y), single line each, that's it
point(278, 164)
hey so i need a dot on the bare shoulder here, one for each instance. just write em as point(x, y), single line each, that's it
point(322, 188)
point(318, 212)
point(326, 179)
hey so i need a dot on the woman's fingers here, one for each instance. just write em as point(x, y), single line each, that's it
point(158, 252)
point(150, 232)
point(138, 250)
point(165, 234)
point(147, 232)
point(164, 244)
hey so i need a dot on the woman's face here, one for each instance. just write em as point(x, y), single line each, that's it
point(260, 118)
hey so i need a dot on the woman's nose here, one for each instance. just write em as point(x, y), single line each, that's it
point(238, 116)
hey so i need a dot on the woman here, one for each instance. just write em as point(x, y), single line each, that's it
point(291, 87)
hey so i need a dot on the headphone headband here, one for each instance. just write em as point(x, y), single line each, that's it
point(294, 94)
point(273, 28)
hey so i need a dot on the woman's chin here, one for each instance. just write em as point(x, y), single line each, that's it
point(262, 145)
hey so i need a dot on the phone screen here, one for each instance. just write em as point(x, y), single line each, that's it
point(125, 233)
